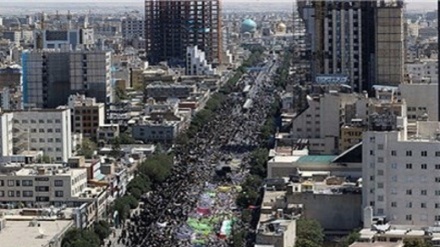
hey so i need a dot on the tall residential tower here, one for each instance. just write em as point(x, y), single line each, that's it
point(173, 25)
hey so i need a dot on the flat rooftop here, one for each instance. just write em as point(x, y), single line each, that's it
point(19, 233)
point(377, 244)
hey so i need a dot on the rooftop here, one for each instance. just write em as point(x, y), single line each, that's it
point(12, 235)
point(377, 244)
point(325, 159)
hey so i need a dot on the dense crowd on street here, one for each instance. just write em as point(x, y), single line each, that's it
point(167, 210)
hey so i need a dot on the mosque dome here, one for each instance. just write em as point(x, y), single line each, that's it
point(281, 27)
point(248, 25)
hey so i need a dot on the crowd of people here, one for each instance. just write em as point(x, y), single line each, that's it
point(163, 218)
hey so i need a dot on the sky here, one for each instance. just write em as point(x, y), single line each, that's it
point(412, 4)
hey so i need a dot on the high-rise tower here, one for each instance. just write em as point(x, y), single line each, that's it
point(173, 25)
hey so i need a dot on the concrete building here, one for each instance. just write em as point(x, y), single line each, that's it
point(345, 42)
point(13, 36)
point(420, 108)
point(43, 185)
point(320, 122)
point(399, 177)
point(196, 63)
point(43, 130)
point(351, 134)
point(423, 71)
point(153, 131)
point(171, 26)
point(70, 39)
point(51, 76)
point(87, 115)
point(390, 50)
point(107, 132)
point(162, 91)
point(6, 128)
point(132, 28)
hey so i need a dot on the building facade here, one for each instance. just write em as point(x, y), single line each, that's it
point(87, 115)
point(196, 63)
point(132, 28)
point(46, 130)
point(51, 76)
point(171, 26)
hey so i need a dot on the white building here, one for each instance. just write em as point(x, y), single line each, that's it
point(401, 174)
point(320, 122)
point(419, 107)
point(47, 130)
point(196, 63)
point(132, 28)
point(423, 71)
point(43, 184)
point(6, 123)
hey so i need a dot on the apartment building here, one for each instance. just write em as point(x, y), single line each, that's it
point(400, 176)
point(46, 130)
point(6, 127)
point(320, 122)
point(51, 76)
point(132, 28)
point(87, 115)
point(42, 185)
point(153, 131)
point(423, 70)
point(196, 63)
point(70, 39)
point(162, 91)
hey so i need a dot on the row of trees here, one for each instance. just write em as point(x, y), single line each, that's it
point(153, 170)
point(93, 237)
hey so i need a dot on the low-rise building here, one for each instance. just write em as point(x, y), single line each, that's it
point(87, 115)
point(156, 131)
point(107, 132)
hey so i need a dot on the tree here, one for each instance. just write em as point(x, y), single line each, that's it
point(309, 233)
point(141, 183)
point(258, 162)
point(122, 208)
point(158, 167)
point(116, 148)
point(125, 138)
point(416, 243)
point(44, 159)
point(349, 239)
point(80, 238)
point(87, 149)
point(131, 201)
point(102, 230)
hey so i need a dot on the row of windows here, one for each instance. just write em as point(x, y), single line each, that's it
point(28, 183)
point(17, 193)
point(45, 131)
point(49, 140)
point(41, 121)
point(410, 205)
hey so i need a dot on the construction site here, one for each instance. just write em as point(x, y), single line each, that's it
point(172, 26)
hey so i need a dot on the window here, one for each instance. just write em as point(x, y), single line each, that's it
point(380, 211)
point(437, 166)
point(49, 130)
point(409, 166)
point(380, 185)
point(2, 183)
point(17, 183)
point(408, 217)
point(57, 130)
point(408, 153)
point(394, 204)
point(372, 139)
point(393, 153)
point(380, 198)
point(42, 188)
point(11, 193)
point(423, 192)
point(49, 121)
point(59, 193)
point(424, 153)
point(28, 193)
point(437, 192)
point(380, 146)
point(371, 152)
point(394, 166)
point(27, 183)
point(2, 193)
point(17, 193)
point(58, 183)
point(437, 153)
point(380, 172)
point(380, 159)
point(437, 179)
point(437, 205)
point(57, 121)
point(437, 218)
point(409, 204)
point(409, 192)
point(423, 205)
point(371, 178)
point(423, 166)
point(10, 183)
point(41, 130)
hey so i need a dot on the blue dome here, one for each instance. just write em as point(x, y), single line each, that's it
point(248, 25)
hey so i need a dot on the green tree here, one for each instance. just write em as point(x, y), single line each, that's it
point(88, 147)
point(416, 243)
point(116, 148)
point(125, 138)
point(80, 238)
point(131, 201)
point(44, 159)
point(258, 162)
point(122, 208)
point(141, 183)
point(309, 233)
point(349, 239)
point(102, 230)
point(158, 167)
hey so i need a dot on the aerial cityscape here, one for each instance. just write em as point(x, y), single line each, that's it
point(219, 123)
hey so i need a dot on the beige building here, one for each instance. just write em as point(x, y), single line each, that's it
point(351, 134)
point(87, 115)
point(43, 185)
